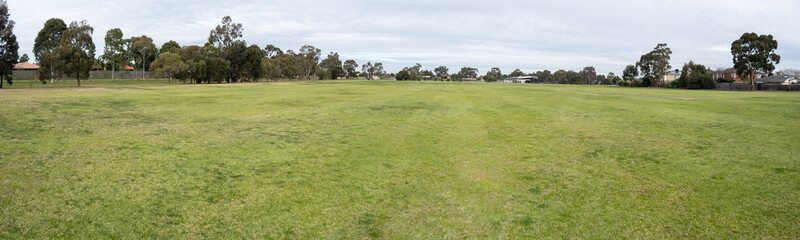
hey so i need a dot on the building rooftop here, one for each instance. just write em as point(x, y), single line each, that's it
point(773, 79)
point(26, 66)
point(731, 70)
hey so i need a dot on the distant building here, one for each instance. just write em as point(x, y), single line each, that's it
point(26, 67)
point(521, 79)
point(730, 73)
point(775, 80)
point(672, 76)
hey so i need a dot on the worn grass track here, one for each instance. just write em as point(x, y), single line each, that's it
point(407, 160)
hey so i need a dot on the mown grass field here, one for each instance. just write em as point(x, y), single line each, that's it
point(398, 160)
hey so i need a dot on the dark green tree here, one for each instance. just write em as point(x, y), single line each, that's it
point(370, 71)
point(307, 60)
point(272, 51)
point(170, 65)
point(629, 74)
point(225, 34)
point(613, 78)
point(234, 55)
point(195, 58)
point(271, 70)
point(654, 65)
point(467, 72)
point(170, 47)
point(560, 76)
point(377, 70)
point(332, 66)
point(493, 75)
point(694, 76)
point(143, 51)
point(589, 75)
point(601, 79)
point(441, 72)
point(114, 50)
point(516, 73)
point(286, 64)
point(350, 67)
point(415, 72)
point(49, 37)
point(216, 70)
point(24, 58)
point(79, 50)
point(403, 75)
point(426, 74)
point(47, 40)
point(574, 77)
point(546, 76)
point(252, 68)
point(9, 48)
point(752, 53)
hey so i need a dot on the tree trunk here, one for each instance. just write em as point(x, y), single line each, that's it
point(113, 67)
point(78, 76)
point(752, 82)
point(2, 79)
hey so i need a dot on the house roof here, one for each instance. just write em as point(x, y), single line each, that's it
point(26, 66)
point(674, 72)
point(127, 68)
point(773, 79)
point(731, 70)
point(523, 77)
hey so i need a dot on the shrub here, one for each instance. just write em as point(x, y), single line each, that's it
point(725, 80)
point(699, 82)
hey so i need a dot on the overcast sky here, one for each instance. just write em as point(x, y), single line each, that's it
point(529, 35)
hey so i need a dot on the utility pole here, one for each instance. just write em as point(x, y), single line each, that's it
point(144, 61)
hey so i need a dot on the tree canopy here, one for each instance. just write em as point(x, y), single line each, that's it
point(589, 75)
point(143, 51)
point(350, 67)
point(441, 72)
point(753, 52)
point(114, 50)
point(225, 34)
point(331, 67)
point(170, 65)
point(49, 37)
point(170, 47)
point(694, 76)
point(654, 65)
point(9, 48)
point(77, 50)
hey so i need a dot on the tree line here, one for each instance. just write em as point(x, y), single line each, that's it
point(62, 50)
point(752, 53)
point(587, 76)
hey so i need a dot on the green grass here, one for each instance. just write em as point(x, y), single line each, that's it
point(398, 160)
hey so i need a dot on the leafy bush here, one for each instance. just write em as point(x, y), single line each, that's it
point(699, 82)
point(679, 83)
point(402, 75)
point(725, 80)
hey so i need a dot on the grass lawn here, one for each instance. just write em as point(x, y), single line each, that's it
point(397, 160)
